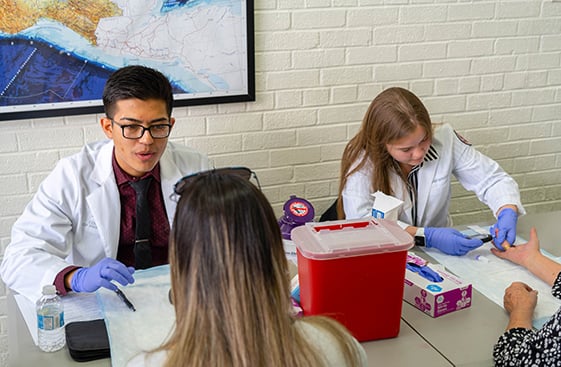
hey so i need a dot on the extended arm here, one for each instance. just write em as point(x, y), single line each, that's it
point(529, 256)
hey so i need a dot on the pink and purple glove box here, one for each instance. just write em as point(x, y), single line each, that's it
point(435, 298)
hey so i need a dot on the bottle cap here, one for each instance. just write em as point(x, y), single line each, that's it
point(297, 211)
point(49, 289)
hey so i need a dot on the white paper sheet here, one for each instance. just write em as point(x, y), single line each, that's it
point(290, 251)
point(133, 332)
point(491, 275)
point(77, 307)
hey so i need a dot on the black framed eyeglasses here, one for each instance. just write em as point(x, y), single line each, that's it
point(136, 131)
point(243, 172)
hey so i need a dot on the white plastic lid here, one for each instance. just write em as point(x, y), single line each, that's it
point(49, 289)
point(343, 238)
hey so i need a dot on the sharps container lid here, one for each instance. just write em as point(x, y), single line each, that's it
point(343, 238)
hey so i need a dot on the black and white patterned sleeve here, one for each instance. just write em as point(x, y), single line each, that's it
point(523, 347)
point(556, 289)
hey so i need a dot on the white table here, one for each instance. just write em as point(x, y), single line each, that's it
point(461, 338)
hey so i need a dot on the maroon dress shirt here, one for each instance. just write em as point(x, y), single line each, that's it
point(160, 223)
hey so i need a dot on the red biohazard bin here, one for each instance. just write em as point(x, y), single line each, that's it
point(354, 271)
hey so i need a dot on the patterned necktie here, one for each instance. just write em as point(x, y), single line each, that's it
point(143, 231)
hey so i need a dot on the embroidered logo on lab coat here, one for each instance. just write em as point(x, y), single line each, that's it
point(462, 139)
point(90, 223)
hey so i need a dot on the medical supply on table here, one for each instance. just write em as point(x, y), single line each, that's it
point(295, 288)
point(296, 308)
point(290, 251)
point(432, 289)
point(50, 320)
point(481, 258)
point(484, 237)
point(425, 271)
point(87, 340)
point(151, 323)
point(125, 299)
point(385, 206)
point(353, 270)
point(297, 211)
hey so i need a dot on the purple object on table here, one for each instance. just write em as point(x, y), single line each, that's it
point(297, 211)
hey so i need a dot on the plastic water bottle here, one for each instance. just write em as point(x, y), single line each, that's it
point(50, 320)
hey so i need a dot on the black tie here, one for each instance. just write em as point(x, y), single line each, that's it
point(143, 231)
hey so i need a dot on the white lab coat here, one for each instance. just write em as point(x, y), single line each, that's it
point(475, 171)
point(74, 218)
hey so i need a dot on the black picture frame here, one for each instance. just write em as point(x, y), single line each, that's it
point(46, 110)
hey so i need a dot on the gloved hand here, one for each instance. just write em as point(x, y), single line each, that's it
point(505, 228)
point(100, 275)
point(450, 241)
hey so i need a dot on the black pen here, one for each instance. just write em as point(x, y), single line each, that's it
point(125, 299)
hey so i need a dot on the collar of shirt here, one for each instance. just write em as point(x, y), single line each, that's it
point(124, 178)
point(413, 183)
point(431, 155)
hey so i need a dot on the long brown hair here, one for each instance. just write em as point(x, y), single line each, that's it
point(229, 277)
point(392, 115)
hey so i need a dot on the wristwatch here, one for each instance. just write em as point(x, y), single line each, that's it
point(420, 236)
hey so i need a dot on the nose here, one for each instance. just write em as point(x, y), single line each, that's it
point(146, 138)
point(419, 153)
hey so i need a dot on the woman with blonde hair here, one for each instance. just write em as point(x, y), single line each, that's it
point(396, 151)
point(231, 288)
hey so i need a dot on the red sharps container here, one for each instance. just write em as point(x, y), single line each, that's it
point(354, 271)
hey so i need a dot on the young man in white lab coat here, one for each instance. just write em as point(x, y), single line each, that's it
point(78, 230)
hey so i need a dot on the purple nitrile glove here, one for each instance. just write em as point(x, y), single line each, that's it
point(100, 275)
point(505, 228)
point(450, 241)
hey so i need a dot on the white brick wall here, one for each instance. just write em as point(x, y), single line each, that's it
point(491, 68)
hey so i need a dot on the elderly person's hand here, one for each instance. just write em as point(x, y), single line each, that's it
point(520, 301)
point(523, 254)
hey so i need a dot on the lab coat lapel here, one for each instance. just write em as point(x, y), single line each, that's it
point(104, 201)
point(169, 175)
point(425, 178)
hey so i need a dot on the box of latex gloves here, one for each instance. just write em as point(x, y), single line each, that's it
point(432, 289)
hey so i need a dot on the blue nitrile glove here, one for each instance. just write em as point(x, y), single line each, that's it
point(450, 241)
point(425, 271)
point(100, 275)
point(505, 228)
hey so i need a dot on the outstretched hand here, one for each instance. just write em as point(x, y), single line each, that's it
point(521, 254)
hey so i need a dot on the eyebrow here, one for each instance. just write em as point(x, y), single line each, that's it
point(131, 119)
point(411, 146)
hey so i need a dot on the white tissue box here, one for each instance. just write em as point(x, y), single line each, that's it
point(435, 298)
point(385, 206)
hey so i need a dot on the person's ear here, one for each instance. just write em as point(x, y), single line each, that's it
point(107, 127)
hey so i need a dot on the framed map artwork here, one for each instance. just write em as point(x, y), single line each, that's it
point(55, 56)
